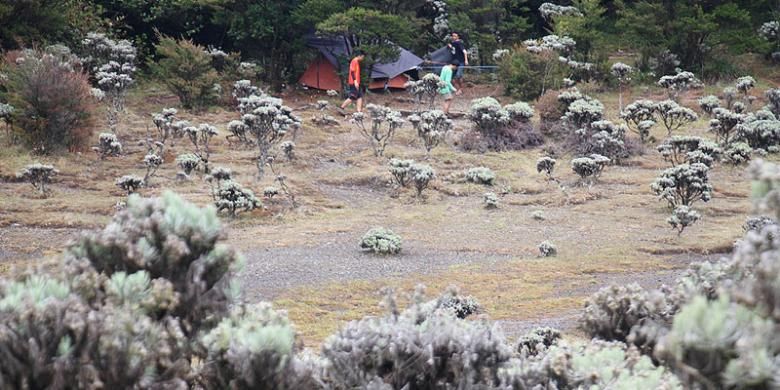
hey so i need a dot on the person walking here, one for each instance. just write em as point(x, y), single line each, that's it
point(460, 55)
point(448, 89)
point(353, 80)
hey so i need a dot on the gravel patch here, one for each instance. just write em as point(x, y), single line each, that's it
point(268, 272)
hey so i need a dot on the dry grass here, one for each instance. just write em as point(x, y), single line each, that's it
point(614, 227)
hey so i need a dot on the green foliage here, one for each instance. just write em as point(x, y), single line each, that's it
point(185, 68)
point(41, 22)
point(373, 30)
point(481, 175)
point(381, 241)
point(527, 76)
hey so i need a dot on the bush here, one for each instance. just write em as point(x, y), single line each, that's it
point(130, 183)
point(674, 116)
point(108, 146)
point(737, 153)
point(288, 149)
point(201, 138)
point(233, 198)
point(52, 101)
point(547, 249)
point(188, 162)
point(679, 83)
point(639, 117)
point(725, 124)
point(113, 66)
point(38, 175)
point(709, 103)
point(500, 128)
point(432, 127)
point(683, 185)
point(528, 76)
point(537, 341)
point(547, 165)
point(421, 175)
point(490, 200)
point(688, 149)
point(550, 111)
point(589, 168)
point(481, 175)
point(425, 90)
point(759, 132)
point(266, 119)
point(384, 123)
point(400, 171)
point(381, 241)
point(682, 217)
point(186, 70)
point(614, 312)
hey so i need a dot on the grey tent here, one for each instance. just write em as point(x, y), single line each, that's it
point(335, 51)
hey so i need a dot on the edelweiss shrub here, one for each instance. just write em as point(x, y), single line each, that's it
point(683, 185)
point(589, 168)
point(130, 183)
point(709, 103)
point(381, 241)
point(201, 138)
point(108, 146)
point(674, 116)
point(266, 120)
point(639, 117)
point(613, 312)
point(238, 131)
point(739, 107)
point(243, 89)
point(425, 90)
point(432, 127)
point(152, 162)
point(756, 224)
point(490, 200)
point(547, 165)
point(233, 198)
point(737, 153)
point(622, 74)
point(481, 175)
point(582, 112)
point(400, 171)
point(745, 84)
point(759, 132)
point(384, 123)
point(188, 162)
point(725, 124)
point(431, 348)
point(679, 83)
point(537, 341)
point(270, 192)
point(688, 149)
point(682, 217)
point(500, 128)
point(112, 64)
point(603, 138)
point(288, 149)
point(421, 176)
point(547, 249)
point(168, 126)
point(38, 175)
point(773, 96)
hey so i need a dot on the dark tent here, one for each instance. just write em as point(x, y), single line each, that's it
point(333, 49)
point(440, 56)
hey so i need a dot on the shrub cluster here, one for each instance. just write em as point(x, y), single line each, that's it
point(500, 128)
point(38, 175)
point(425, 90)
point(384, 123)
point(266, 120)
point(381, 241)
point(481, 175)
point(432, 127)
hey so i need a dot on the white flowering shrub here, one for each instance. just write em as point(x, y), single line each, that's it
point(689, 149)
point(737, 153)
point(490, 200)
point(639, 117)
point(773, 99)
point(725, 124)
point(282, 181)
point(682, 217)
point(582, 112)
point(683, 185)
point(709, 103)
point(589, 168)
point(547, 249)
point(421, 176)
point(113, 66)
point(674, 116)
point(152, 162)
point(550, 10)
point(729, 96)
point(216, 177)
point(234, 198)
point(759, 131)
point(288, 149)
point(770, 31)
point(604, 138)
point(744, 84)
point(614, 312)
point(384, 124)
point(38, 175)
point(381, 241)
point(432, 127)
point(622, 74)
point(238, 131)
point(269, 192)
point(481, 175)
point(188, 162)
point(243, 89)
point(425, 90)
point(108, 146)
point(7, 115)
point(499, 128)
point(678, 84)
point(201, 139)
point(168, 126)
point(400, 171)
point(266, 120)
point(546, 164)
point(129, 183)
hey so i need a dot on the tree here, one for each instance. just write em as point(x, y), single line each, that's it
point(376, 33)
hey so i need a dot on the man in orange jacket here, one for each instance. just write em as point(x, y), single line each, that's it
point(353, 79)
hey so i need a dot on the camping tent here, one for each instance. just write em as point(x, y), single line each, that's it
point(322, 73)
